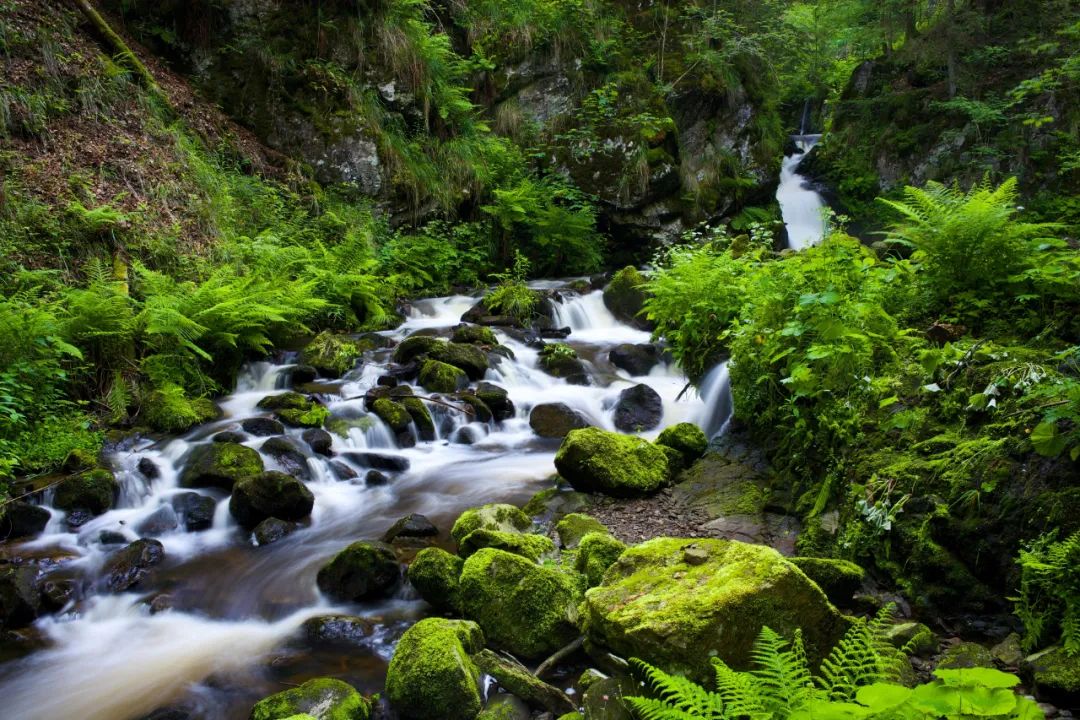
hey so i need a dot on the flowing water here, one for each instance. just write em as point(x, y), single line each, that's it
point(231, 633)
point(801, 206)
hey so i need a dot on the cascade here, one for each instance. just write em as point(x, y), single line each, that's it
point(801, 206)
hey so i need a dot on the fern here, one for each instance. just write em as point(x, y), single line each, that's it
point(782, 675)
point(862, 657)
point(1049, 601)
point(677, 698)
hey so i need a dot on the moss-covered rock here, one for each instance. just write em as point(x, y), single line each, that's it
point(839, 579)
point(94, 491)
point(436, 575)
point(597, 552)
point(474, 335)
point(415, 347)
point(523, 607)
point(687, 438)
point(496, 516)
point(332, 355)
point(20, 596)
point(362, 571)
point(170, 410)
point(573, 527)
point(913, 639)
point(392, 413)
point(517, 680)
point(676, 603)
point(964, 655)
point(322, 699)
point(496, 398)
point(295, 409)
point(556, 420)
point(562, 361)
point(443, 378)
point(625, 296)
point(220, 465)
point(469, 358)
point(524, 544)
point(595, 460)
point(1055, 676)
point(421, 417)
point(431, 676)
point(505, 707)
point(269, 495)
point(480, 411)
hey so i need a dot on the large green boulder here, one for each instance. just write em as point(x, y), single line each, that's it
point(596, 553)
point(475, 335)
point(436, 575)
point(94, 491)
point(267, 495)
point(676, 603)
point(362, 571)
point(595, 460)
point(573, 527)
point(469, 358)
point(392, 413)
point(415, 347)
point(442, 377)
point(687, 438)
point(295, 409)
point(431, 676)
point(220, 465)
point(332, 355)
point(495, 516)
point(523, 607)
point(322, 699)
point(527, 545)
point(1055, 676)
point(421, 417)
point(625, 296)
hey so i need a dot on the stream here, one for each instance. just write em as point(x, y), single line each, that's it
point(230, 630)
point(800, 205)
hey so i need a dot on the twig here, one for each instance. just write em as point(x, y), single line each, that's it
point(559, 655)
point(32, 492)
point(683, 391)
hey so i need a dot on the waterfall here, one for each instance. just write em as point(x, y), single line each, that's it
point(801, 206)
point(715, 392)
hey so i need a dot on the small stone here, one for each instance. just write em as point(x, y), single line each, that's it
point(374, 478)
point(343, 631)
point(111, 537)
point(271, 530)
point(379, 461)
point(126, 568)
point(262, 427)
point(196, 511)
point(319, 441)
point(413, 525)
point(229, 436)
point(695, 556)
point(149, 469)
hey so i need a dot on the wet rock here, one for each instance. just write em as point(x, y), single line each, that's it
point(77, 518)
point(635, 359)
point(497, 399)
point(379, 461)
point(440, 377)
point(481, 413)
point(340, 631)
point(362, 571)
point(655, 605)
point(295, 410)
point(229, 436)
point(431, 676)
point(22, 519)
point(93, 491)
point(435, 574)
point(470, 359)
point(556, 420)
point(56, 594)
point(594, 460)
point(303, 374)
point(262, 427)
point(413, 525)
point(466, 435)
point(159, 522)
point(387, 381)
point(111, 537)
point(126, 568)
point(839, 579)
point(149, 469)
point(20, 596)
point(571, 528)
point(322, 698)
point(421, 418)
point(332, 355)
point(271, 530)
point(520, 682)
point(342, 471)
point(196, 511)
point(625, 297)
point(286, 454)
point(522, 607)
point(270, 494)
point(374, 478)
point(561, 361)
point(319, 441)
point(414, 348)
point(638, 408)
point(474, 335)
point(220, 465)
point(392, 413)
point(505, 707)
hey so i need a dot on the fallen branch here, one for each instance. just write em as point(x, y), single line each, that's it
point(548, 664)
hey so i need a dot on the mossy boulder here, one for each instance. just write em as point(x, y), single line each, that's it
point(431, 676)
point(270, 495)
point(220, 465)
point(332, 355)
point(480, 411)
point(596, 553)
point(839, 579)
point(436, 575)
point(441, 377)
point(517, 680)
point(392, 413)
point(595, 460)
point(468, 358)
point(295, 409)
point(524, 544)
point(686, 438)
point(675, 603)
point(474, 335)
point(573, 527)
point(94, 491)
point(170, 410)
point(362, 571)
point(965, 655)
point(505, 707)
point(562, 361)
point(556, 420)
point(421, 417)
point(913, 638)
point(415, 347)
point(495, 516)
point(322, 699)
point(496, 398)
point(1055, 676)
point(625, 296)
point(523, 607)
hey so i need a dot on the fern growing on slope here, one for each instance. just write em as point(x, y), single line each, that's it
point(1049, 601)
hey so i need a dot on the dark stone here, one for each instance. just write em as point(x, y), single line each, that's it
point(229, 436)
point(497, 399)
point(374, 478)
point(20, 597)
point(270, 494)
point(303, 374)
point(291, 458)
point(387, 381)
point(571, 369)
point(111, 537)
point(634, 359)
point(480, 411)
point(341, 631)
point(379, 461)
point(342, 471)
point(555, 420)
point(465, 435)
point(126, 568)
point(271, 530)
point(170, 713)
point(196, 511)
point(262, 427)
point(413, 525)
point(94, 491)
point(941, 333)
point(362, 571)
point(639, 408)
point(22, 519)
point(77, 518)
point(319, 441)
point(158, 522)
point(149, 469)
point(56, 594)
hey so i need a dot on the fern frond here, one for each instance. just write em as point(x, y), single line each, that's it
point(680, 693)
point(781, 673)
point(862, 657)
point(739, 693)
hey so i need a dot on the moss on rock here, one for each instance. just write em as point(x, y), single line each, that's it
point(625, 295)
point(495, 516)
point(169, 409)
point(220, 465)
point(475, 335)
point(414, 347)
point(965, 655)
point(437, 376)
point(94, 490)
point(436, 575)
point(839, 579)
point(269, 495)
point(597, 552)
point(676, 603)
point(1055, 675)
point(469, 358)
point(322, 699)
point(524, 544)
point(431, 676)
point(362, 571)
point(392, 413)
point(595, 460)
point(421, 417)
point(523, 607)
point(332, 355)
point(295, 409)
point(686, 438)
point(573, 527)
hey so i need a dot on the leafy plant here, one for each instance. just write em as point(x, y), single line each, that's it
point(1049, 600)
point(512, 296)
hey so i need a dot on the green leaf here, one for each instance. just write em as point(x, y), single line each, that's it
point(976, 677)
point(1046, 440)
point(883, 696)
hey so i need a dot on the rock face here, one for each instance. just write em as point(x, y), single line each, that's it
point(267, 495)
point(634, 359)
point(126, 568)
point(522, 607)
point(431, 676)
point(638, 408)
point(556, 420)
point(94, 491)
point(595, 460)
point(220, 465)
point(676, 603)
point(322, 698)
point(362, 571)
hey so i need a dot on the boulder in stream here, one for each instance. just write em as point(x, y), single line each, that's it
point(20, 597)
point(562, 361)
point(127, 567)
point(595, 460)
point(362, 571)
point(262, 427)
point(379, 461)
point(440, 377)
point(271, 530)
point(596, 553)
point(22, 519)
point(496, 398)
point(319, 441)
point(556, 420)
point(321, 698)
point(286, 454)
point(431, 676)
point(196, 511)
point(332, 355)
point(413, 525)
point(435, 574)
point(295, 410)
point(93, 491)
point(267, 495)
point(625, 297)
point(425, 426)
point(638, 408)
point(635, 359)
point(474, 335)
point(159, 522)
point(344, 631)
point(220, 465)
